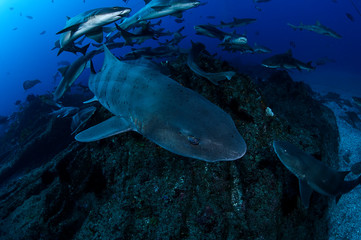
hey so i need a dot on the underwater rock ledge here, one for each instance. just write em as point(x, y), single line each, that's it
point(126, 187)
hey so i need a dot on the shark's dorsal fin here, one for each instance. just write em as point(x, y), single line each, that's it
point(96, 34)
point(112, 126)
point(70, 28)
point(305, 192)
point(318, 23)
point(63, 70)
point(109, 57)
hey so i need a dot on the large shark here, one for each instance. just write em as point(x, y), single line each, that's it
point(317, 28)
point(286, 61)
point(89, 23)
point(154, 105)
point(160, 8)
point(312, 174)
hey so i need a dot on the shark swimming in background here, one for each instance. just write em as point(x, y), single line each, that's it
point(317, 28)
point(154, 105)
point(286, 61)
point(159, 8)
point(196, 49)
point(89, 23)
point(313, 175)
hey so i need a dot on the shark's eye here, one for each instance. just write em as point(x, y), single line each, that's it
point(193, 140)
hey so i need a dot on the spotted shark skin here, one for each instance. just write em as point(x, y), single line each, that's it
point(154, 105)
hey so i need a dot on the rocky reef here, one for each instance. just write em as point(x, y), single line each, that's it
point(126, 187)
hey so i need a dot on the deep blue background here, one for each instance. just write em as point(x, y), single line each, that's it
point(25, 54)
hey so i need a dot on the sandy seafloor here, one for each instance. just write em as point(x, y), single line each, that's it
point(345, 216)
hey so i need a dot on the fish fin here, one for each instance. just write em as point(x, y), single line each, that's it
point(84, 49)
point(93, 99)
point(60, 51)
point(126, 35)
point(160, 8)
point(109, 57)
point(63, 70)
point(96, 34)
point(146, 1)
point(177, 15)
point(305, 191)
point(108, 128)
point(70, 28)
point(318, 23)
point(92, 69)
point(67, 18)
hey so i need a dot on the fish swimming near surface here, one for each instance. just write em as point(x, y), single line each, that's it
point(286, 61)
point(154, 105)
point(43, 32)
point(317, 28)
point(30, 83)
point(197, 48)
point(313, 175)
point(160, 8)
point(90, 23)
point(80, 118)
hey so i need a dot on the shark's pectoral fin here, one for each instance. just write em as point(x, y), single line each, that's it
point(93, 99)
point(108, 128)
point(305, 191)
point(177, 15)
point(72, 28)
point(96, 34)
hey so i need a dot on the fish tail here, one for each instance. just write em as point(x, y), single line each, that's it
point(84, 49)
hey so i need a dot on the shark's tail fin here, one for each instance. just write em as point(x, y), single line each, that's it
point(84, 49)
point(126, 35)
point(347, 186)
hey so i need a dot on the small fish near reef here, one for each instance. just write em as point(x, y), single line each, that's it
point(154, 105)
point(313, 175)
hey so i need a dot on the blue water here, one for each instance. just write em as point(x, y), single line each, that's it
point(26, 55)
